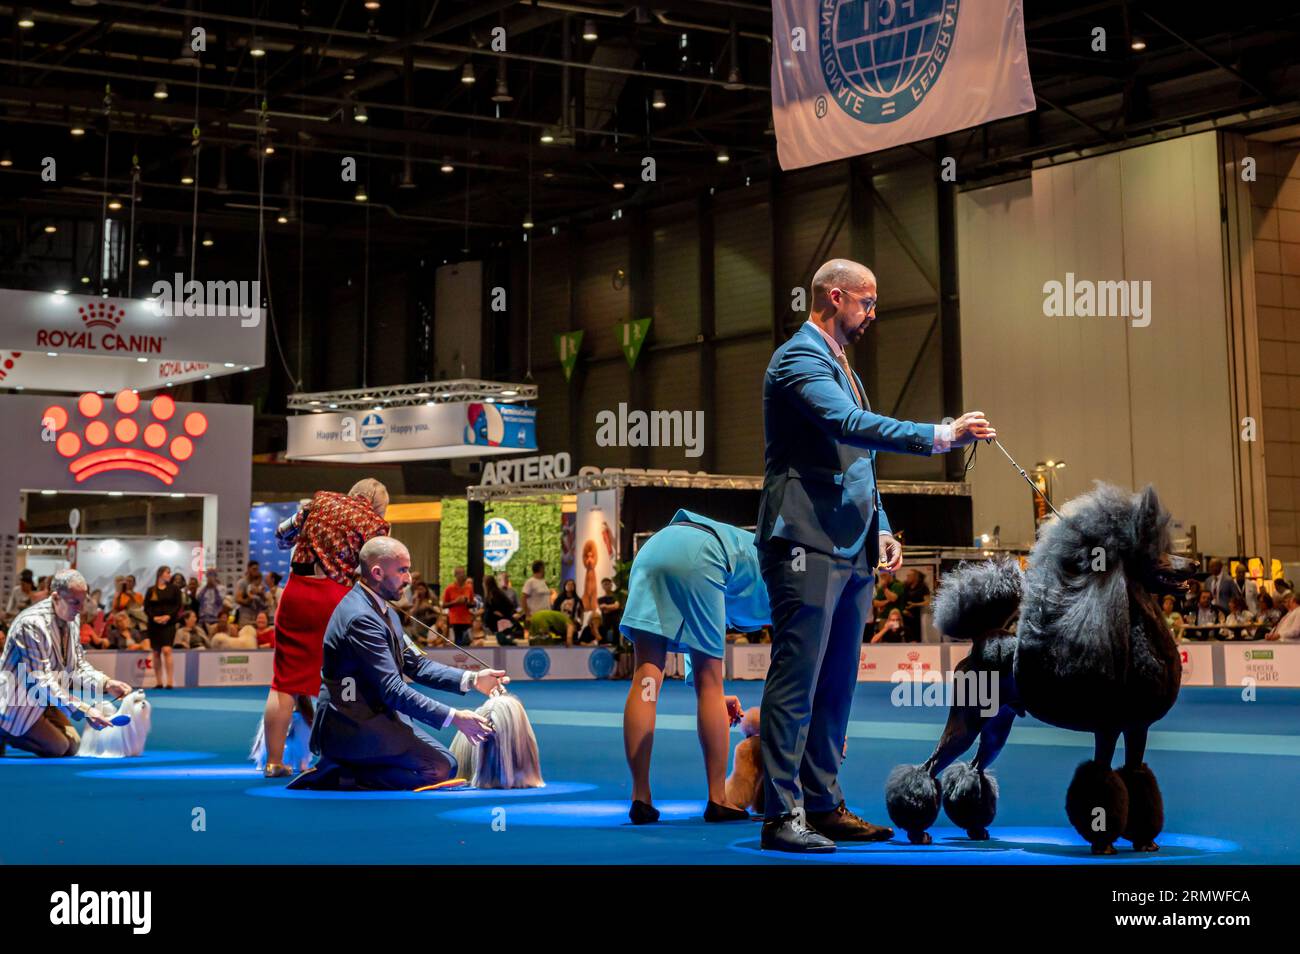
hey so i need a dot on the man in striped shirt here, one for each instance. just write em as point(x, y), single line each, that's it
point(44, 674)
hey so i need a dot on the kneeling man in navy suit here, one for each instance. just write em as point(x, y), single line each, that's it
point(364, 731)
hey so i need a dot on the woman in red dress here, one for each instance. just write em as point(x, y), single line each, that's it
point(326, 533)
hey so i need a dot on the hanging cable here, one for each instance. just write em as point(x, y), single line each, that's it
point(130, 238)
point(103, 207)
point(194, 211)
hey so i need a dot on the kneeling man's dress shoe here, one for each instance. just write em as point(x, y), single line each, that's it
point(789, 833)
point(840, 824)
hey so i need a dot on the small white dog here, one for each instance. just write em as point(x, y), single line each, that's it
point(118, 741)
point(507, 758)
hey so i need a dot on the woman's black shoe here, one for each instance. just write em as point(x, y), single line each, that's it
point(642, 813)
point(714, 812)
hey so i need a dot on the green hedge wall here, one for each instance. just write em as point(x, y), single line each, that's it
point(538, 525)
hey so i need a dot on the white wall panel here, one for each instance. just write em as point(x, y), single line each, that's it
point(1126, 404)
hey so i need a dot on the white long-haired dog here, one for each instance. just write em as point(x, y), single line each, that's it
point(118, 741)
point(507, 758)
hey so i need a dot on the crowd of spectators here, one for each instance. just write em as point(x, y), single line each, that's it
point(1232, 606)
point(174, 612)
point(502, 616)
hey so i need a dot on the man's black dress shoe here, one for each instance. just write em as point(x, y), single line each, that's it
point(840, 824)
point(713, 812)
point(789, 833)
point(643, 813)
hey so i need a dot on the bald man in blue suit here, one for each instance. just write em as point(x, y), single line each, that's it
point(821, 531)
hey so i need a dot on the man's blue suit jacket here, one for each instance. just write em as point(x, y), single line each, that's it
point(819, 477)
point(365, 706)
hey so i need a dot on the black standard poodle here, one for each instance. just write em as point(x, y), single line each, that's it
point(1090, 651)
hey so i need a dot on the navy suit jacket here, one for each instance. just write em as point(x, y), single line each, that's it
point(819, 476)
point(370, 715)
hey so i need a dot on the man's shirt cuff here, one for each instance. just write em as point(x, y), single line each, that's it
point(943, 438)
point(469, 680)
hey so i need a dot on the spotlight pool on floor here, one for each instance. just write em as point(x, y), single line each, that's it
point(551, 788)
point(175, 772)
point(1021, 846)
point(24, 758)
point(584, 814)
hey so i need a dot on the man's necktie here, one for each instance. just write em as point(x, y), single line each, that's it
point(843, 359)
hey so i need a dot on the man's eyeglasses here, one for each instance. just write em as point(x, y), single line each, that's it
point(868, 303)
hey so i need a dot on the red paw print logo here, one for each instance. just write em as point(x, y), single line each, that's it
point(101, 314)
point(126, 431)
point(7, 364)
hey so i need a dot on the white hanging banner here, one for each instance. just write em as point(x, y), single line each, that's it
point(856, 76)
point(84, 342)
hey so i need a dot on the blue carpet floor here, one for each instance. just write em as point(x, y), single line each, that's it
point(1230, 771)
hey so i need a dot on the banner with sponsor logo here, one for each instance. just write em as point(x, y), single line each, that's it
point(75, 342)
point(878, 663)
point(228, 667)
point(419, 432)
point(856, 76)
point(1263, 664)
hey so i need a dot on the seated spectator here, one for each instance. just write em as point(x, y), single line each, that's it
point(1191, 599)
point(568, 602)
point(442, 627)
point(423, 605)
point(892, 629)
point(916, 597)
point(1269, 614)
point(1206, 615)
point(609, 611)
point(265, 632)
point(1237, 615)
point(92, 639)
point(477, 634)
point(124, 634)
point(1289, 628)
point(889, 594)
point(498, 616)
point(191, 635)
point(1173, 618)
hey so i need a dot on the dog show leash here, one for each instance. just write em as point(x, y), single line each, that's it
point(1019, 469)
point(431, 630)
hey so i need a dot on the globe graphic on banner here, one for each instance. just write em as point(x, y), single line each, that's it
point(887, 52)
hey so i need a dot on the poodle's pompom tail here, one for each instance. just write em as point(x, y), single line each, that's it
point(912, 799)
point(977, 598)
point(1097, 804)
point(1146, 808)
point(297, 747)
point(970, 798)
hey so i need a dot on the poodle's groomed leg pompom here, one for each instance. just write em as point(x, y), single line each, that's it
point(912, 799)
point(970, 798)
point(1146, 809)
point(1097, 805)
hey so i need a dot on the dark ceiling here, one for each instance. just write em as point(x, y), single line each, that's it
point(403, 66)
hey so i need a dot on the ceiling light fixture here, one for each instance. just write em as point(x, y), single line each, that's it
point(446, 165)
point(467, 74)
point(659, 102)
point(160, 91)
point(359, 113)
point(589, 31)
point(255, 48)
point(362, 195)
